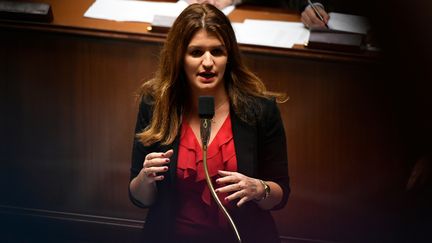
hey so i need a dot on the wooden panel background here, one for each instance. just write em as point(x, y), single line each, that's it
point(345, 152)
point(66, 128)
point(69, 118)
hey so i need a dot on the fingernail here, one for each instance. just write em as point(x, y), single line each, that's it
point(166, 168)
point(226, 199)
point(167, 160)
point(217, 191)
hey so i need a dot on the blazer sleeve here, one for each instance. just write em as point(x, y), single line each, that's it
point(272, 149)
point(139, 151)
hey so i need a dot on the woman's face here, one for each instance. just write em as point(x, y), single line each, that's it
point(205, 62)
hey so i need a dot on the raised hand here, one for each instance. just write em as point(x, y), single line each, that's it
point(155, 163)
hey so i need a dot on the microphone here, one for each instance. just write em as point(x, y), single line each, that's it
point(206, 112)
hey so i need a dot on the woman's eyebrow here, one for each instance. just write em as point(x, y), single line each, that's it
point(201, 46)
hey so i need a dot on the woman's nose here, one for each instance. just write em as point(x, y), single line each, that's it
point(207, 60)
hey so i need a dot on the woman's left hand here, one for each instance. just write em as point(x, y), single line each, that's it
point(239, 186)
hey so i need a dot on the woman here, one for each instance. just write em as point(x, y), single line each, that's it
point(247, 150)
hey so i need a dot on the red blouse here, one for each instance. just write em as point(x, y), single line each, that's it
point(198, 213)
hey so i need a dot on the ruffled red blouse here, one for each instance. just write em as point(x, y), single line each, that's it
point(198, 212)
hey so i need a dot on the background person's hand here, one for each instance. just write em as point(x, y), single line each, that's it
point(218, 3)
point(155, 163)
point(311, 20)
point(240, 187)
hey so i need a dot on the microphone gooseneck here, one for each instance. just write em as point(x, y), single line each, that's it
point(206, 112)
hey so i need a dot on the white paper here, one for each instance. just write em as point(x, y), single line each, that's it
point(137, 11)
point(348, 22)
point(282, 34)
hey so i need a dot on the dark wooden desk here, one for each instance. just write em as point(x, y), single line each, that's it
point(68, 113)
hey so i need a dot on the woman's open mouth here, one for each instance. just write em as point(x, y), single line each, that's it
point(207, 75)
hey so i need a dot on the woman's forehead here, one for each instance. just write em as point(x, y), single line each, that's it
point(203, 36)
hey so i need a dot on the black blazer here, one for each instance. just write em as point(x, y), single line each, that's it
point(261, 153)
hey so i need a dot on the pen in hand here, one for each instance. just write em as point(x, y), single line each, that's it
point(317, 13)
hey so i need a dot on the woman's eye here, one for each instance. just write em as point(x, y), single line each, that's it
point(217, 52)
point(196, 53)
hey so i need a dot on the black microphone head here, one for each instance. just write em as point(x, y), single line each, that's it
point(206, 107)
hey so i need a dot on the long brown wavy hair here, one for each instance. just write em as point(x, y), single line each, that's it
point(167, 92)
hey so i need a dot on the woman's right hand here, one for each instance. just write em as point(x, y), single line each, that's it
point(154, 164)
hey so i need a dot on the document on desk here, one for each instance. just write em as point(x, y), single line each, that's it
point(348, 23)
point(271, 33)
point(137, 11)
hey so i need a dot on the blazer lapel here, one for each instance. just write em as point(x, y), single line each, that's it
point(245, 141)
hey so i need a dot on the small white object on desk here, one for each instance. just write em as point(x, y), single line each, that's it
point(348, 22)
point(282, 34)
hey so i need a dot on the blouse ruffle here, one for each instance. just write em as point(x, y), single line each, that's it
point(220, 156)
